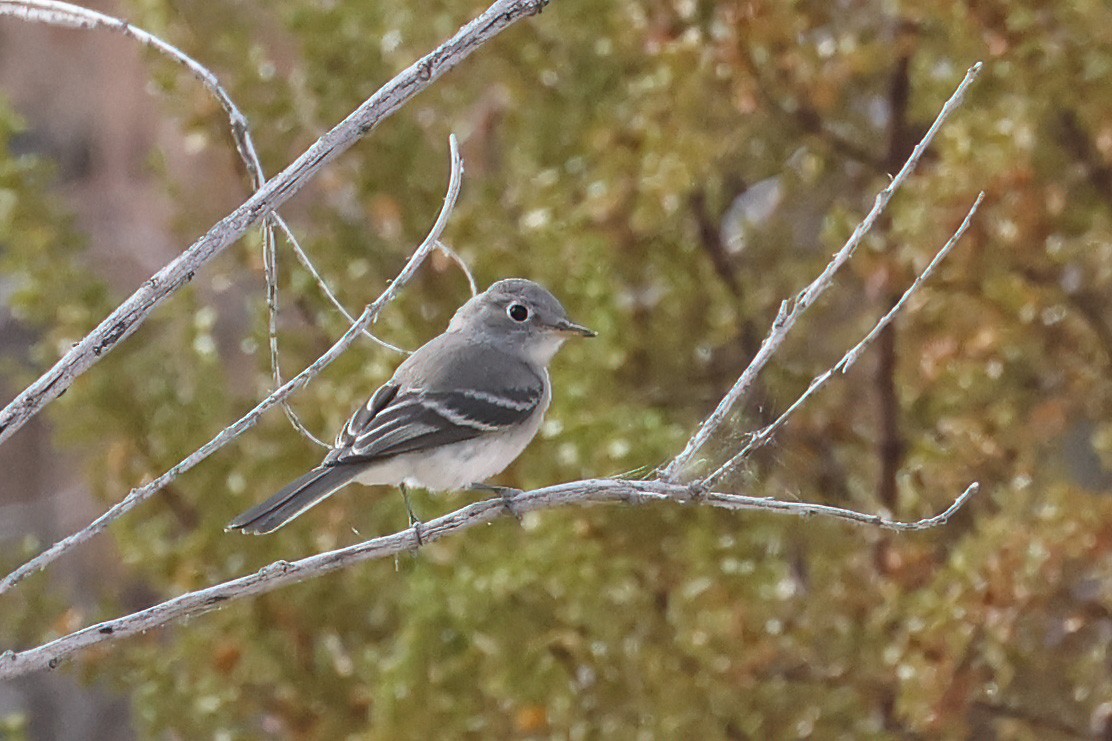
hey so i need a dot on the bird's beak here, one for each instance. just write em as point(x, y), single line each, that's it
point(567, 327)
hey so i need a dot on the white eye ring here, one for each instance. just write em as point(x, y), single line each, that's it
point(517, 312)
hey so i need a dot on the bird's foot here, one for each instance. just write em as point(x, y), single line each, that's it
point(506, 492)
point(414, 521)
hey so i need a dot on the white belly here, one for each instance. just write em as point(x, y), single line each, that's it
point(458, 465)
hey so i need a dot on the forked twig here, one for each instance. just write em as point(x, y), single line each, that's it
point(665, 489)
point(763, 435)
point(790, 313)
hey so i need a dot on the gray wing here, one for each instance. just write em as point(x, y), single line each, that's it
point(450, 408)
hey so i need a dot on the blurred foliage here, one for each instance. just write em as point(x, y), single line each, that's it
point(38, 262)
point(672, 170)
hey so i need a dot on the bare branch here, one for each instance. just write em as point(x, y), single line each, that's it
point(122, 322)
point(790, 313)
point(282, 573)
point(366, 319)
point(763, 435)
point(462, 266)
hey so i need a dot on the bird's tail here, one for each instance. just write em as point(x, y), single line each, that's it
point(294, 499)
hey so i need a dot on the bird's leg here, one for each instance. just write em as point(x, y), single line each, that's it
point(414, 520)
point(506, 492)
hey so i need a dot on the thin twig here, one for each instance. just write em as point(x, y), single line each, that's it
point(126, 318)
point(790, 313)
point(270, 270)
point(306, 263)
point(603, 490)
point(763, 435)
point(282, 573)
point(366, 319)
point(462, 266)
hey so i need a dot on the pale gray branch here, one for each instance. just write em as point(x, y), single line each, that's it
point(282, 573)
point(366, 319)
point(126, 318)
point(763, 435)
point(790, 313)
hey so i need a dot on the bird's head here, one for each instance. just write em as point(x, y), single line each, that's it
point(521, 315)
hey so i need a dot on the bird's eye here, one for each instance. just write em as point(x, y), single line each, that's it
point(518, 312)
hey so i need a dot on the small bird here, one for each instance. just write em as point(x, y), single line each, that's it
point(459, 410)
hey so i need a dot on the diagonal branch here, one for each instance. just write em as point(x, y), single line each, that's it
point(282, 573)
point(763, 435)
point(230, 433)
point(122, 322)
point(790, 312)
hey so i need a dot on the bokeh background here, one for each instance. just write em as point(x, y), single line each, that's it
point(672, 170)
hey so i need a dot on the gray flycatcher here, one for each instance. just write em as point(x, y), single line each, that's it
point(459, 410)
